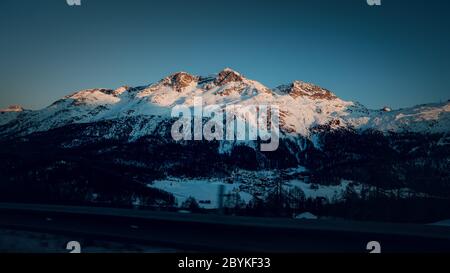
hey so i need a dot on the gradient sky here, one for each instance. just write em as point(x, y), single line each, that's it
point(396, 54)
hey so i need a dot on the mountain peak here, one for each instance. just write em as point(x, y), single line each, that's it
point(121, 90)
point(309, 90)
point(180, 80)
point(227, 69)
point(13, 108)
point(228, 75)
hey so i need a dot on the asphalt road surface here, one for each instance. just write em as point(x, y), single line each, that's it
point(215, 233)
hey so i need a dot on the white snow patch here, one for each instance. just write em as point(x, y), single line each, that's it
point(329, 192)
point(306, 215)
point(200, 189)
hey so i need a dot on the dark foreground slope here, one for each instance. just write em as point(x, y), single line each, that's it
point(79, 164)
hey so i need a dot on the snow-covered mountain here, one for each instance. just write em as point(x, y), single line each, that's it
point(115, 147)
point(304, 107)
point(11, 113)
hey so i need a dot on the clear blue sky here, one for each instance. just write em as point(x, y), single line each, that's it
point(396, 54)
